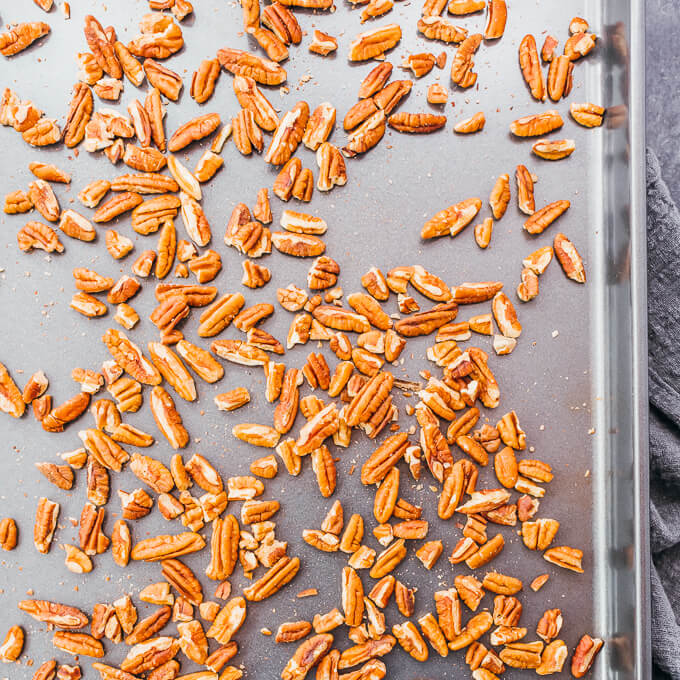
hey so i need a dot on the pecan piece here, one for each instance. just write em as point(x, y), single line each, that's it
point(306, 656)
point(543, 218)
point(537, 124)
point(17, 202)
point(223, 548)
point(584, 655)
point(288, 135)
point(589, 115)
point(319, 126)
point(565, 557)
point(8, 534)
point(101, 47)
point(531, 67)
point(469, 126)
point(525, 190)
point(130, 357)
point(360, 653)
point(228, 621)
point(167, 418)
point(374, 43)
point(164, 547)
point(160, 37)
point(437, 28)
point(242, 63)
point(388, 559)
point(11, 400)
point(60, 615)
point(569, 258)
point(204, 79)
point(66, 412)
point(554, 149)
point(149, 655)
point(293, 631)
point(283, 571)
point(193, 130)
point(420, 123)
point(78, 644)
point(366, 135)
point(452, 220)
point(43, 199)
point(461, 67)
point(20, 36)
point(579, 45)
point(282, 22)
point(497, 14)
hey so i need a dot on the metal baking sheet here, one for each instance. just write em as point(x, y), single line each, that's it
point(576, 379)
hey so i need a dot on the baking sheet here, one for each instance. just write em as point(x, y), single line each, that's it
point(575, 379)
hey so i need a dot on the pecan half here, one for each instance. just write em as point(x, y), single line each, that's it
point(101, 47)
point(543, 218)
point(569, 258)
point(416, 122)
point(584, 655)
point(288, 135)
point(374, 43)
point(497, 14)
point(537, 124)
point(167, 418)
point(20, 36)
point(242, 63)
point(452, 220)
point(469, 126)
point(160, 37)
point(11, 400)
point(554, 149)
point(283, 571)
point(204, 79)
point(462, 64)
point(589, 115)
point(307, 655)
point(531, 67)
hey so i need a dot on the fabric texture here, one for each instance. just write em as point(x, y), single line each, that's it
point(663, 281)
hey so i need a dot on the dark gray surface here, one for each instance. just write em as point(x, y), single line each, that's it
point(560, 386)
point(663, 79)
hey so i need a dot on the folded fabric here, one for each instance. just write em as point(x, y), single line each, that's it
point(663, 254)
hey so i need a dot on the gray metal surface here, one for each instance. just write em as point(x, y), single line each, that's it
point(587, 376)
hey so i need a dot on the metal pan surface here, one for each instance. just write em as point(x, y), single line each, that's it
point(576, 378)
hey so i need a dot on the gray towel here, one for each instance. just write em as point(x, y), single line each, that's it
point(663, 252)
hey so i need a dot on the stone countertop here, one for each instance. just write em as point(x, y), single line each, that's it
point(663, 77)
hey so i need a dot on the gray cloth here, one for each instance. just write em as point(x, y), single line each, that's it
point(663, 280)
